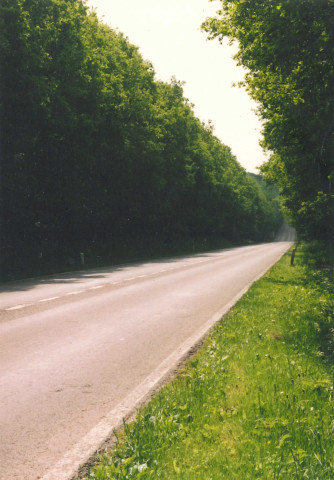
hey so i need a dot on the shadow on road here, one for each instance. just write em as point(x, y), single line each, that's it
point(75, 277)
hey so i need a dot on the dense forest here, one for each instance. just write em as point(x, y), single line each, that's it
point(96, 154)
point(287, 49)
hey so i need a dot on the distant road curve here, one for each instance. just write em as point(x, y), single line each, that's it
point(79, 350)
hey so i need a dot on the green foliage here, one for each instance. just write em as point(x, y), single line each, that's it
point(97, 153)
point(287, 49)
point(256, 402)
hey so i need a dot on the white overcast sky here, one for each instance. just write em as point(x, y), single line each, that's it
point(168, 35)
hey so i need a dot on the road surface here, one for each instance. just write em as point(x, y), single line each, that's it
point(75, 346)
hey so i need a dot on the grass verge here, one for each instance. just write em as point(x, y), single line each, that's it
point(256, 402)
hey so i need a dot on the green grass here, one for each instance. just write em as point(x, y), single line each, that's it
point(256, 402)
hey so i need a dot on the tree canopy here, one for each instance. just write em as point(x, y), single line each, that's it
point(95, 151)
point(287, 48)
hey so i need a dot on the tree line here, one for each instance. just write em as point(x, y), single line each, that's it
point(96, 152)
point(287, 47)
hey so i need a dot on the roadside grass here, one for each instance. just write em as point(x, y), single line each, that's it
point(256, 402)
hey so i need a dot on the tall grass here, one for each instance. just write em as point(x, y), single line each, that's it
point(256, 402)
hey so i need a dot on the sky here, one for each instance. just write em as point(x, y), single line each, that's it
point(168, 35)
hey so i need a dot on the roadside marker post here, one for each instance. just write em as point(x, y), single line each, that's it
point(292, 257)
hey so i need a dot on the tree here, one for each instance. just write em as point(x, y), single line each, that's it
point(96, 153)
point(287, 48)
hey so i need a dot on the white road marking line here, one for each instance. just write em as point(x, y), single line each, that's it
point(48, 299)
point(97, 287)
point(18, 307)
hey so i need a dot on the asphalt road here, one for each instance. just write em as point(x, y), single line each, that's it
point(74, 346)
